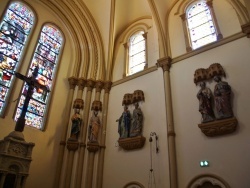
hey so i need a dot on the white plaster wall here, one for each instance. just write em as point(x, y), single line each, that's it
point(228, 155)
point(45, 153)
point(123, 166)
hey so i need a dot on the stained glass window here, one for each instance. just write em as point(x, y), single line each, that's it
point(46, 59)
point(14, 30)
point(200, 24)
point(137, 53)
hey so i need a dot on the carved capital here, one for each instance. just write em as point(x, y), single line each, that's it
point(90, 84)
point(164, 63)
point(246, 29)
point(93, 147)
point(210, 3)
point(72, 82)
point(99, 85)
point(107, 86)
point(183, 17)
point(145, 35)
point(125, 45)
point(81, 83)
point(72, 144)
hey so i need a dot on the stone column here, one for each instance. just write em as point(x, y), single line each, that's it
point(92, 148)
point(211, 8)
point(126, 56)
point(90, 85)
point(165, 64)
point(107, 88)
point(72, 84)
point(146, 49)
point(2, 178)
point(24, 181)
point(185, 31)
point(18, 181)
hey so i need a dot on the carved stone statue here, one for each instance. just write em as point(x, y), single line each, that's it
point(124, 123)
point(94, 127)
point(76, 124)
point(222, 94)
point(205, 103)
point(136, 126)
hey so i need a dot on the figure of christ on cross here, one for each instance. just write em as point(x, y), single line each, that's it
point(32, 84)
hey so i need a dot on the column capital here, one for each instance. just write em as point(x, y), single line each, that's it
point(81, 83)
point(107, 86)
point(246, 29)
point(99, 85)
point(164, 63)
point(145, 35)
point(72, 82)
point(183, 17)
point(90, 84)
point(125, 45)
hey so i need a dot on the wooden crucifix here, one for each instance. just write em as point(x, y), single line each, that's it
point(32, 84)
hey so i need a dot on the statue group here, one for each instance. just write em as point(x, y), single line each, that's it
point(130, 126)
point(216, 105)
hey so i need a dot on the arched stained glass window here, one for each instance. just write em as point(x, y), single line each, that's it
point(14, 30)
point(46, 58)
point(200, 25)
point(137, 53)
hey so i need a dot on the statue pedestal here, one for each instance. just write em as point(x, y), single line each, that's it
point(15, 159)
point(132, 143)
point(219, 127)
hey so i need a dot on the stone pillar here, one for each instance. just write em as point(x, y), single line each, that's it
point(211, 8)
point(146, 49)
point(126, 56)
point(107, 88)
point(185, 31)
point(165, 64)
point(90, 85)
point(24, 181)
point(72, 84)
point(18, 181)
point(2, 178)
point(92, 148)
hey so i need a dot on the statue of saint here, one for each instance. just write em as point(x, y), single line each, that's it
point(94, 127)
point(222, 94)
point(124, 123)
point(205, 103)
point(76, 124)
point(136, 125)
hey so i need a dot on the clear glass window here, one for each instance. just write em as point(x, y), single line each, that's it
point(200, 25)
point(137, 53)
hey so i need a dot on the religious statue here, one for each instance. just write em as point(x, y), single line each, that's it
point(76, 124)
point(136, 125)
point(205, 103)
point(94, 127)
point(124, 123)
point(222, 94)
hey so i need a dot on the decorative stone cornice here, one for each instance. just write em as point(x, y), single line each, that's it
point(99, 85)
point(90, 84)
point(107, 86)
point(81, 83)
point(164, 63)
point(246, 29)
point(72, 82)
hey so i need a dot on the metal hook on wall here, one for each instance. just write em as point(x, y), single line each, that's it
point(156, 140)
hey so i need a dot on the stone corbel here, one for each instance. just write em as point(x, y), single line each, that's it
point(132, 142)
point(246, 29)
